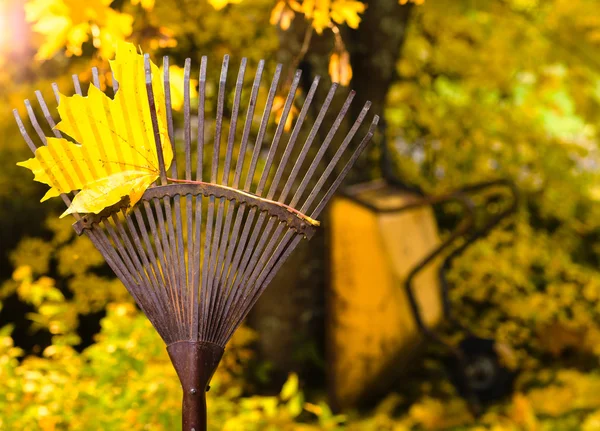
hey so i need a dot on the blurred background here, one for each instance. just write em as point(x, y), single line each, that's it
point(479, 194)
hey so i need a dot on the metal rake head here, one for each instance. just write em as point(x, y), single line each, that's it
point(197, 252)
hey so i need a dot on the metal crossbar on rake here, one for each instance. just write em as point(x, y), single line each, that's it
point(197, 252)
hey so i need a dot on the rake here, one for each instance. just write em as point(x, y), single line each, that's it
point(197, 252)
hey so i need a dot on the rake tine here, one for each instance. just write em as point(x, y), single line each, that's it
point(336, 158)
point(144, 279)
point(315, 163)
point(198, 221)
point(150, 266)
point(346, 168)
point(209, 237)
point(243, 284)
point(292, 141)
point(95, 77)
point(154, 118)
point(263, 128)
point(218, 250)
point(279, 131)
point(274, 268)
point(34, 122)
point(248, 125)
point(47, 115)
point(187, 137)
point(172, 241)
point(167, 85)
point(163, 252)
point(307, 144)
point(241, 208)
point(250, 175)
point(23, 131)
point(115, 84)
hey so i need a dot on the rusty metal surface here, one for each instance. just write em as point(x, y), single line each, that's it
point(195, 363)
point(197, 256)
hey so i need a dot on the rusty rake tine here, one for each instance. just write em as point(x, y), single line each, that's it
point(244, 284)
point(153, 276)
point(163, 176)
point(263, 128)
point(180, 248)
point(23, 131)
point(187, 137)
point(187, 132)
point(225, 267)
point(233, 122)
point(154, 118)
point(141, 269)
point(205, 265)
point(66, 199)
point(336, 158)
point(278, 132)
point(95, 77)
point(169, 254)
point(34, 122)
point(238, 173)
point(47, 114)
point(176, 244)
point(201, 113)
point(256, 152)
point(250, 255)
point(307, 144)
point(248, 124)
point(346, 169)
point(169, 110)
point(77, 85)
point(271, 273)
point(219, 121)
point(241, 247)
point(161, 162)
point(210, 238)
point(148, 256)
point(197, 267)
point(114, 253)
point(292, 141)
point(198, 218)
point(315, 163)
point(218, 251)
point(56, 92)
point(163, 253)
point(266, 265)
point(115, 84)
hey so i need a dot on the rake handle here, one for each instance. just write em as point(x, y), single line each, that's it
point(194, 411)
point(195, 363)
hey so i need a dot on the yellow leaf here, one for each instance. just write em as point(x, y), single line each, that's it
point(69, 23)
point(146, 4)
point(220, 4)
point(282, 15)
point(339, 68)
point(347, 11)
point(115, 154)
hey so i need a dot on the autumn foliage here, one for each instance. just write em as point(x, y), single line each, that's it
point(479, 90)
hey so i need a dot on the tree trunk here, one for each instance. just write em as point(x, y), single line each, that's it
point(290, 314)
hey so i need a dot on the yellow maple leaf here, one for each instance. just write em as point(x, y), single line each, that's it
point(115, 154)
